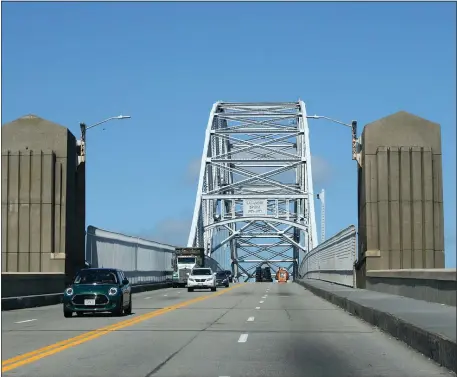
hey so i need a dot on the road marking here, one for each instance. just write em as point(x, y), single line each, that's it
point(251, 319)
point(261, 302)
point(257, 307)
point(147, 298)
point(264, 296)
point(27, 320)
point(165, 295)
point(243, 338)
point(52, 349)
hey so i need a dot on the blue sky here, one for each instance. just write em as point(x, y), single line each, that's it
point(166, 64)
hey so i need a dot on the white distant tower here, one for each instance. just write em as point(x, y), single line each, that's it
point(321, 197)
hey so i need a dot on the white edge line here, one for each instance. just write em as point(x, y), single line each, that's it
point(27, 320)
point(243, 338)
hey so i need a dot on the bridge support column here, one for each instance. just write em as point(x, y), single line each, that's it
point(42, 222)
point(400, 196)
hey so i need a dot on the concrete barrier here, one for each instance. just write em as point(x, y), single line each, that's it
point(23, 302)
point(434, 335)
point(433, 285)
point(17, 284)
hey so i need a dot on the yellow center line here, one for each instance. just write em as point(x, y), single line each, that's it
point(52, 349)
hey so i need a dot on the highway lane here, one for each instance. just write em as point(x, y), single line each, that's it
point(25, 330)
point(249, 330)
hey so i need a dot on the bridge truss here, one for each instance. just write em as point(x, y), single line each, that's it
point(255, 198)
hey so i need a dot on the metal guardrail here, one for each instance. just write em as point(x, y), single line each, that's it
point(333, 260)
point(143, 261)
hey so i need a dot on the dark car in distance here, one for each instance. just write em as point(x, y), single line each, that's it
point(229, 274)
point(96, 290)
point(222, 279)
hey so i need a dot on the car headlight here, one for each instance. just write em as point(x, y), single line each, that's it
point(69, 291)
point(209, 279)
point(112, 291)
point(190, 279)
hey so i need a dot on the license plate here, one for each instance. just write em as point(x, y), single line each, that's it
point(201, 283)
point(89, 302)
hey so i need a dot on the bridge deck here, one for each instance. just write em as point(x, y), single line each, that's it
point(292, 333)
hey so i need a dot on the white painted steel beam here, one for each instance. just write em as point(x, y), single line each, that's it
point(255, 169)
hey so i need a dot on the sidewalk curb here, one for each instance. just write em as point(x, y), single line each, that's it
point(25, 302)
point(430, 344)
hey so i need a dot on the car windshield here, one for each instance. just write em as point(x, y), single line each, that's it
point(96, 276)
point(221, 274)
point(186, 260)
point(201, 271)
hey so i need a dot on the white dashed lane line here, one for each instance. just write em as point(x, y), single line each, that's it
point(165, 295)
point(257, 307)
point(243, 338)
point(261, 302)
point(27, 320)
point(251, 319)
point(147, 298)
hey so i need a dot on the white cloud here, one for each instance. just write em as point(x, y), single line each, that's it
point(172, 231)
point(193, 171)
point(322, 171)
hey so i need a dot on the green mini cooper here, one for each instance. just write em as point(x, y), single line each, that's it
point(98, 290)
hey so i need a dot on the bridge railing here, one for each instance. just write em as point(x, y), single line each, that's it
point(333, 260)
point(143, 261)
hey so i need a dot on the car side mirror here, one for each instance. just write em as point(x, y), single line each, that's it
point(125, 281)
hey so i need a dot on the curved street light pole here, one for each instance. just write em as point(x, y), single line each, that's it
point(352, 126)
point(81, 193)
point(84, 128)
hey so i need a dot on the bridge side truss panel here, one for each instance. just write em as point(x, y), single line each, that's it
point(260, 152)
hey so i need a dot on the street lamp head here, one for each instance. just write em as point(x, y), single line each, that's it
point(123, 117)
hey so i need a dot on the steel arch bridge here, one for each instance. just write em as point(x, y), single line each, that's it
point(255, 200)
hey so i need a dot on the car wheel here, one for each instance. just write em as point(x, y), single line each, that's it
point(190, 289)
point(227, 285)
point(79, 314)
point(67, 313)
point(129, 308)
point(213, 289)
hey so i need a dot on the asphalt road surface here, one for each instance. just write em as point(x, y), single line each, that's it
point(260, 330)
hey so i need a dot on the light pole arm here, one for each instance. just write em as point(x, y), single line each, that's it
point(104, 121)
point(352, 126)
point(84, 128)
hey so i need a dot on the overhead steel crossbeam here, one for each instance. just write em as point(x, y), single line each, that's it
point(255, 189)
